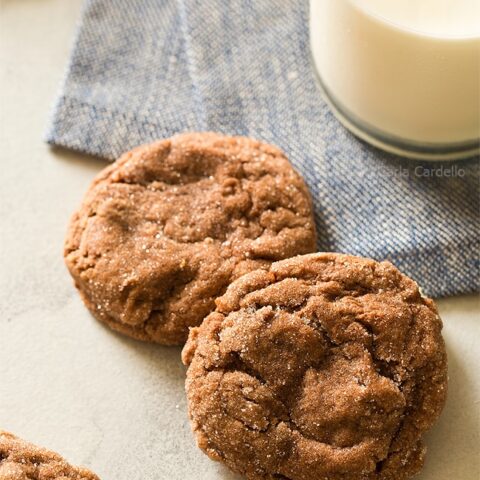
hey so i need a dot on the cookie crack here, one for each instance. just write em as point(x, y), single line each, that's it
point(237, 364)
point(379, 465)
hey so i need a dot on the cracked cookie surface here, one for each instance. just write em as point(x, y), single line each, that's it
point(163, 231)
point(20, 460)
point(324, 366)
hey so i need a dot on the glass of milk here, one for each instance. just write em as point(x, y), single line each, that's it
point(403, 75)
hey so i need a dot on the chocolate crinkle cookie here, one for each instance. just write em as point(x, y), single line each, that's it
point(323, 366)
point(164, 230)
point(20, 460)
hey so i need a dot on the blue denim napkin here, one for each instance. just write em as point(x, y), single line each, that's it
point(147, 69)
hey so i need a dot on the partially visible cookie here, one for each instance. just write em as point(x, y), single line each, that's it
point(20, 460)
point(323, 366)
point(163, 231)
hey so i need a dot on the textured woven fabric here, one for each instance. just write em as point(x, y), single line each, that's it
point(147, 69)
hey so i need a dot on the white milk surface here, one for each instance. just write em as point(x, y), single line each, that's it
point(408, 68)
point(459, 18)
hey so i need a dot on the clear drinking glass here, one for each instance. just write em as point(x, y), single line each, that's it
point(403, 75)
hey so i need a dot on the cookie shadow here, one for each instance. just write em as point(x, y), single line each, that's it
point(452, 444)
point(165, 360)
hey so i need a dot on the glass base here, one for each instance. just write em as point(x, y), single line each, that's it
point(398, 146)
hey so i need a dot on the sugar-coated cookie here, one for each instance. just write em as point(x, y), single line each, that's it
point(20, 460)
point(163, 231)
point(324, 366)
